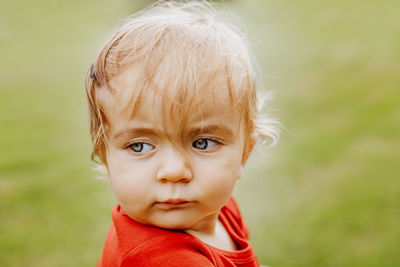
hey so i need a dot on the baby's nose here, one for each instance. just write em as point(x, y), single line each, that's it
point(174, 168)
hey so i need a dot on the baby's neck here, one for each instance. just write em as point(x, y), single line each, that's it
point(217, 237)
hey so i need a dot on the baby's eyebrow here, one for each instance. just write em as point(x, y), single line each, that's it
point(226, 132)
point(218, 130)
point(135, 131)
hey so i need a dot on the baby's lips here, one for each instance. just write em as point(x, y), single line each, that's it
point(173, 203)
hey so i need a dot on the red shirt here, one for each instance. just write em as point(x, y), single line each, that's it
point(130, 243)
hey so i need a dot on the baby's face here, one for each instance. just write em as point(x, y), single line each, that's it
point(170, 177)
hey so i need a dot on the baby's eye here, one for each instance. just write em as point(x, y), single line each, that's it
point(141, 147)
point(204, 144)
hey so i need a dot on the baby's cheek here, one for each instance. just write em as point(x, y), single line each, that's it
point(220, 185)
point(128, 186)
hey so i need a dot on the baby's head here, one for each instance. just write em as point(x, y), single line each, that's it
point(174, 113)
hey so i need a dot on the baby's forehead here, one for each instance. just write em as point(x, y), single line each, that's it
point(134, 87)
point(164, 106)
point(129, 100)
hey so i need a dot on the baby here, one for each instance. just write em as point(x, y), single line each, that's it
point(174, 118)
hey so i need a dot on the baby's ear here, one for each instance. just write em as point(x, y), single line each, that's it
point(249, 148)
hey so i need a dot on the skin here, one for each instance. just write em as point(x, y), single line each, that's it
point(173, 178)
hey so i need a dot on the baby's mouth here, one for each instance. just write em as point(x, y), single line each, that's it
point(172, 203)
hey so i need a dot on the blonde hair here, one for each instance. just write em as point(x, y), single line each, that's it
point(191, 48)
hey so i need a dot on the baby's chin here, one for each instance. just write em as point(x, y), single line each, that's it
point(169, 225)
point(172, 220)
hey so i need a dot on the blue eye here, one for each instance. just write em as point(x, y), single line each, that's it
point(204, 144)
point(141, 147)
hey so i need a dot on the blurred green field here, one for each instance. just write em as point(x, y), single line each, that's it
point(327, 195)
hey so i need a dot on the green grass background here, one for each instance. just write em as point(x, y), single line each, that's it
point(327, 195)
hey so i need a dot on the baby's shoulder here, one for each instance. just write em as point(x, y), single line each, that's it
point(141, 245)
point(168, 250)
